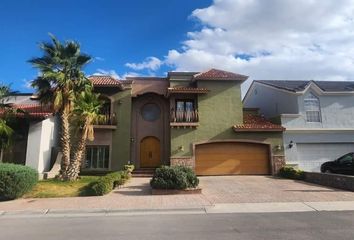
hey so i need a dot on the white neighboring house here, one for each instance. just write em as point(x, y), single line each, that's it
point(318, 117)
point(36, 134)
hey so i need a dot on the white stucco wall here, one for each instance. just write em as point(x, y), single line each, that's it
point(337, 111)
point(270, 101)
point(42, 136)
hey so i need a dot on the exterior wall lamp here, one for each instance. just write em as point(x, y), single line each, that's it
point(278, 147)
point(291, 144)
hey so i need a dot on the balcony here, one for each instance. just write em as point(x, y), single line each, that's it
point(107, 121)
point(184, 118)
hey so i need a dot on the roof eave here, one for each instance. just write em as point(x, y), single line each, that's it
point(237, 129)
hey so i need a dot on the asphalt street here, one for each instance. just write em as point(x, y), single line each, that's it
point(301, 225)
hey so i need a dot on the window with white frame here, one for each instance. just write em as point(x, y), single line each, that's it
point(312, 108)
point(97, 157)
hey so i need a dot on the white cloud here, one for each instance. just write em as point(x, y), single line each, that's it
point(113, 73)
point(99, 58)
point(150, 63)
point(27, 84)
point(282, 39)
point(131, 74)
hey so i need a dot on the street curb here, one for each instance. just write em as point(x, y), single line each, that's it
point(273, 207)
point(98, 212)
point(270, 207)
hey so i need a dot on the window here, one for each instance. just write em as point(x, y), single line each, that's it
point(312, 108)
point(97, 157)
point(150, 112)
point(185, 111)
point(346, 159)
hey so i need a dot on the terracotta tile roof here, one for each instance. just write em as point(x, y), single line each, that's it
point(33, 111)
point(186, 90)
point(216, 74)
point(257, 123)
point(104, 81)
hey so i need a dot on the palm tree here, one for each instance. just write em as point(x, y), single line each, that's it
point(87, 108)
point(6, 131)
point(60, 79)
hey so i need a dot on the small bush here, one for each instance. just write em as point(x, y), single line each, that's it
point(107, 183)
point(292, 173)
point(102, 186)
point(174, 177)
point(117, 178)
point(129, 168)
point(16, 180)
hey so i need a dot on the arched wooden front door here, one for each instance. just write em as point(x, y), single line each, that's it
point(150, 152)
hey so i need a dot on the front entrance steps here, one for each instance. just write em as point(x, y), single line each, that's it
point(143, 172)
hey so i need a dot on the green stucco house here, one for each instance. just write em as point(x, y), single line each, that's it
point(190, 118)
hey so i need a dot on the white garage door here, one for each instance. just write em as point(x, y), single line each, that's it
point(311, 156)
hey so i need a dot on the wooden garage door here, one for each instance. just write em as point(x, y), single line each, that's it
point(232, 158)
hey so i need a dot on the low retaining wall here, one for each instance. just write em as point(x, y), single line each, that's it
point(331, 180)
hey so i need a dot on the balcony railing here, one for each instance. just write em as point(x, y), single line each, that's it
point(107, 119)
point(184, 116)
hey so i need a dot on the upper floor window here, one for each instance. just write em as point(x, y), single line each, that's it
point(312, 108)
point(185, 111)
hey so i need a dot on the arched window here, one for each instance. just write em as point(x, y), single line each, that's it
point(312, 108)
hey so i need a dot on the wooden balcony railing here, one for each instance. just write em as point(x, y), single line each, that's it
point(184, 116)
point(107, 119)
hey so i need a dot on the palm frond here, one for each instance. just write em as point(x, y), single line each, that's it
point(6, 133)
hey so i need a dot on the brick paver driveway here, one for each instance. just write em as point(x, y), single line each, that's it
point(136, 194)
point(255, 189)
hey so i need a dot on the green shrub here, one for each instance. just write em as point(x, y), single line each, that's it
point(16, 180)
point(174, 177)
point(102, 186)
point(292, 173)
point(129, 168)
point(117, 178)
point(107, 183)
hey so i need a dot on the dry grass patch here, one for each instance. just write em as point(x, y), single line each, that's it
point(55, 188)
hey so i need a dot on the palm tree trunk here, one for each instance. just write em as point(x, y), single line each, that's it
point(75, 162)
point(1, 154)
point(65, 141)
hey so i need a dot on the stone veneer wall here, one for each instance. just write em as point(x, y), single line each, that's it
point(182, 161)
point(278, 163)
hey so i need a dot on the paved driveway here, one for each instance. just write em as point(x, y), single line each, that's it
point(136, 194)
point(255, 189)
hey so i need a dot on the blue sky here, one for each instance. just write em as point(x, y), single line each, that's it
point(114, 32)
point(261, 39)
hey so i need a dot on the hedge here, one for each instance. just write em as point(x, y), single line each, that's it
point(174, 177)
point(292, 173)
point(16, 180)
point(107, 183)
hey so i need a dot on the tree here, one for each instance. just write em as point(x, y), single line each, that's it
point(87, 108)
point(6, 131)
point(60, 79)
